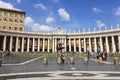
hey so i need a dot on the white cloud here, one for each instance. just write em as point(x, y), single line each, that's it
point(7, 5)
point(100, 24)
point(64, 14)
point(117, 11)
point(49, 19)
point(19, 1)
point(96, 10)
point(29, 22)
point(41, 6)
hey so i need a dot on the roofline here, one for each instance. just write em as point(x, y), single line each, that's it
point(12, 10)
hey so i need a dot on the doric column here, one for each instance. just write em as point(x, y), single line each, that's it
point(95, 44)
point(107, 44)
point(79, 45)
point(113, 44)
point(53, 45)
point(84, 45)
point(62, 42)
point(74, 45)
point(4, 43)
point(38, 45)
point(69, 45)
point(101, 44)
point(43, 45)
point(10, 47)
point(27, 44)
point(119, 42)
point(16, 47)
point(33, 42)
point(65, 45)
point(90, 49)
point(22, 48)
point(48, 45)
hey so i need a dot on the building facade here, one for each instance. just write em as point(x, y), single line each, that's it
point(11, 19)
point(13, 37)
point(107, 40)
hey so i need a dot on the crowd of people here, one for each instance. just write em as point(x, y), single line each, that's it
point(103, 55)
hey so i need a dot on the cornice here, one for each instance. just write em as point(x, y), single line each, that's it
point(57, 35)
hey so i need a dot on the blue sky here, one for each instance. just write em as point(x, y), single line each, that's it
point(70, 15)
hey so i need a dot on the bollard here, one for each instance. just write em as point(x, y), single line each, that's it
point(86, 60)
point(100, 60)
point(45, 60)
point(71, 60)
point(59, 60)
point(116, 61)
point(94, 55)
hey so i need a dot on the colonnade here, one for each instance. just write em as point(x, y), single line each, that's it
point(70, 44)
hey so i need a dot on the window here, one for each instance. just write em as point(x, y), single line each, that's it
point(11, 14)
point(20, 29)
point(5, 13)
point(21, 15)
point(16, 15)
point(10, 20)
point(5, 19)
point(21, 21)
point(16, 20)
point(15, 28)
point(9, 28)
point(3, 27)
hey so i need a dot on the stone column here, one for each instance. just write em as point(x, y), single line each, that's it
point(22, 48)
point(69, 45)
point(38, 46)
point(119, 42)
point(48, 45)
point(90, 49)
point(101, 44)
point(33, 42)
point(27, 44)
point(107, 44)
point(95, 44)
point(65, 45)
point(84, 45)
point(74, 45)
point(10, 47)
point(113, 44)
point(4, 43)
point(79, 45)
point(43, 45)
point(62, 45)
point(16, 47)
point(53, 45)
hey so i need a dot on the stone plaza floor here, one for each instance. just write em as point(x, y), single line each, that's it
point(17, 68)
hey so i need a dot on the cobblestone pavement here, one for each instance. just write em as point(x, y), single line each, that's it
point(14, 69)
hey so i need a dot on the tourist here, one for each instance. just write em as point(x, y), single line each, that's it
point(63, 58)
point(105, 56)
point(8, 53)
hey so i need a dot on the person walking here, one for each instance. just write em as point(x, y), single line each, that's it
point(62, 59)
